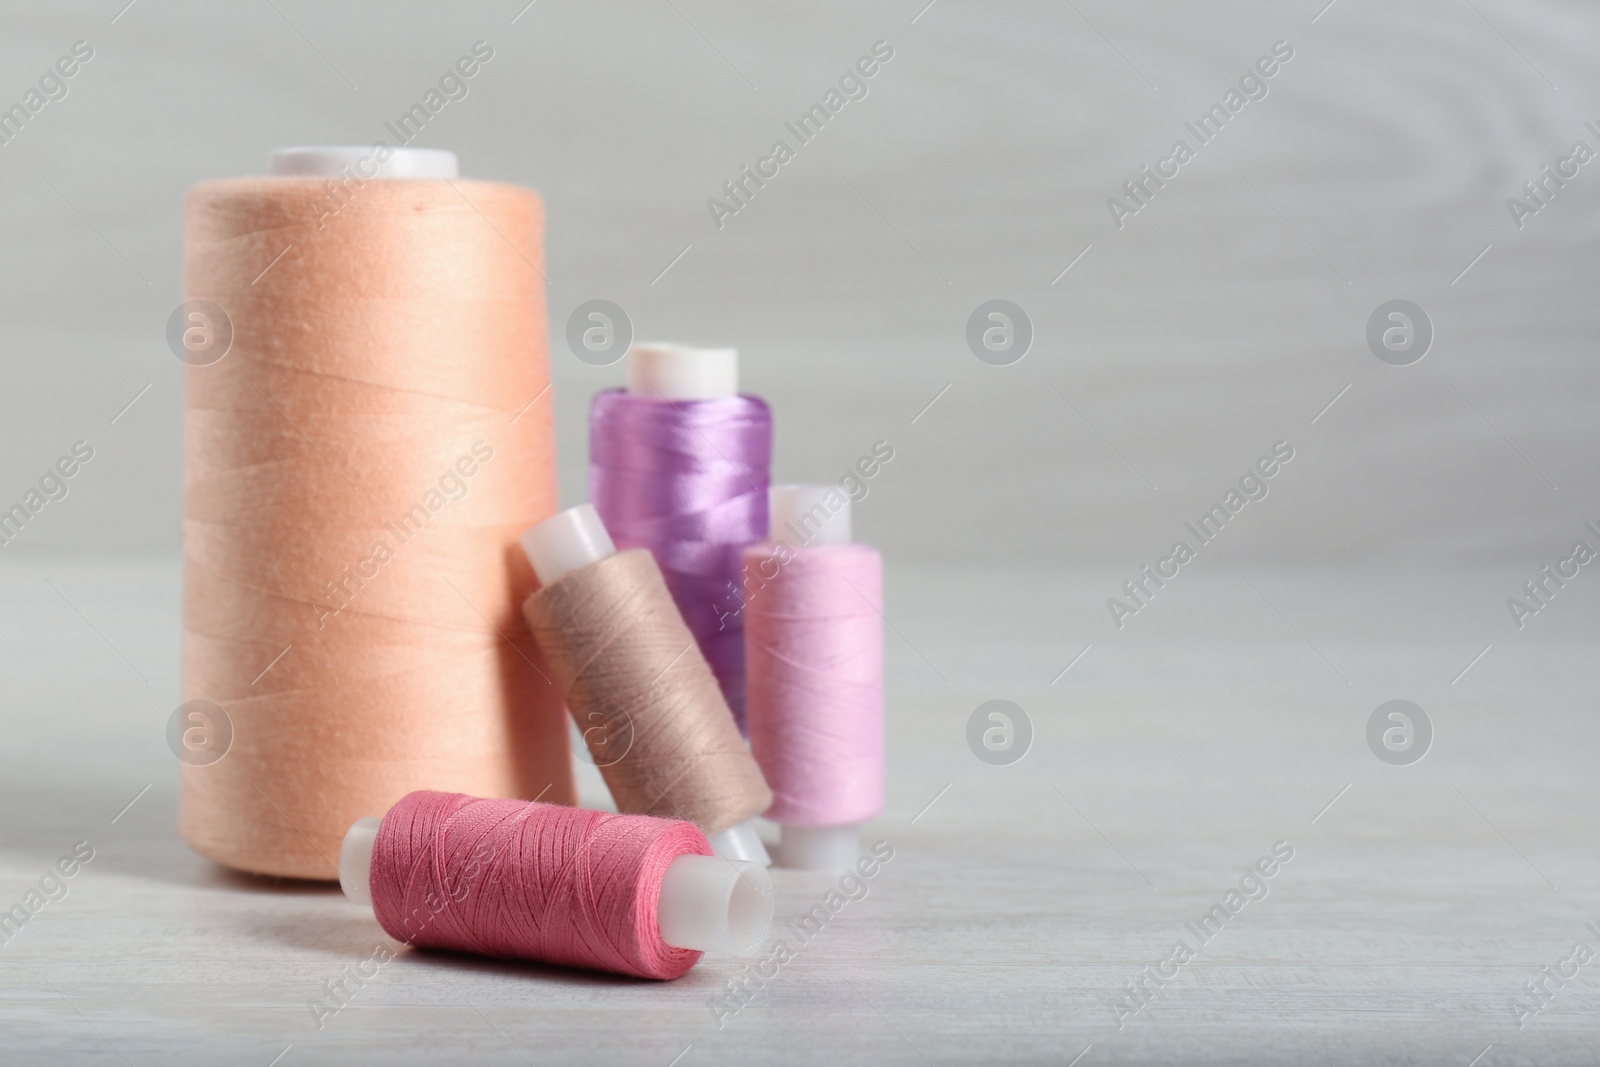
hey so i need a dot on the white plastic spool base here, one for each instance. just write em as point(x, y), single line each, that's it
point(740, 842)
point(707, 903)
point(819, 848)
point(682, 372)
point(361, 162)
point(800, 515)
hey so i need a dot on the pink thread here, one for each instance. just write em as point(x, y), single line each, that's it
point(814, 667)
point(523, 880)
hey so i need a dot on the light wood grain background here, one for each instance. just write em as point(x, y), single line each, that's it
point(1223, 317)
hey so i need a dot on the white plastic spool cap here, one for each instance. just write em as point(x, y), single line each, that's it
point(715, 905)
point(344, 161)
point(740, 842)
point(801, 515)
point(707, 903)
point(682, 372)
point(819, 848)
point(565, 542)
point(355, 860)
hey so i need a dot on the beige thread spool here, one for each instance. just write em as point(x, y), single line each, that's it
point(638, 686)
point(377, 355)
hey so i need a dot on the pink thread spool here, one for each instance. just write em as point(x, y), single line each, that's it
point(814, 667)
point(515, 879)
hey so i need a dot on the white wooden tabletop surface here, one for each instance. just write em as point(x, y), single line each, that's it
point(1165, 763)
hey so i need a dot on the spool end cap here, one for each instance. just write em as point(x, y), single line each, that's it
point(801, 515)
point(355, 860)
point(682, 372)
point(740, 842)
point(565, 542)
point(711, 904)
point(342, 161)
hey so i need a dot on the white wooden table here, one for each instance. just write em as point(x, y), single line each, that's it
point(1020, 899)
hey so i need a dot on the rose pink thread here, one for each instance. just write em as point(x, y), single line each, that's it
point(814, 666)
point(523, 880)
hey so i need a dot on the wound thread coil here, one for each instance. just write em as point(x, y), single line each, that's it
point(630, 669)
point(688, 480)
point(372, 351)
point(532, 881)
point(814, 654)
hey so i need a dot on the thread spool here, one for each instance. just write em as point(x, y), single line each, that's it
point(638, 688)
point(628, 894)
point(814, 653)
point(679, 463)
point(388, 347)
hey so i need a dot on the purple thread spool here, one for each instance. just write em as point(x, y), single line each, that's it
point(680, 463)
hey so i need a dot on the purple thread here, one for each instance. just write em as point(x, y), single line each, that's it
point(688, 480)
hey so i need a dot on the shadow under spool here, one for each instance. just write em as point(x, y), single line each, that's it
point(634, 678)
point(379, 353)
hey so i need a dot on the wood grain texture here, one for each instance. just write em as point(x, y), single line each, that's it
point(1222, 317)
point(1165, 762)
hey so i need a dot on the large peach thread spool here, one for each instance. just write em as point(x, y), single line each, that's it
point(639, 689)
point(357, 467)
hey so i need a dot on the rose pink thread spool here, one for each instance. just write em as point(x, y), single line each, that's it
point(814, 664)
point(516, 879)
